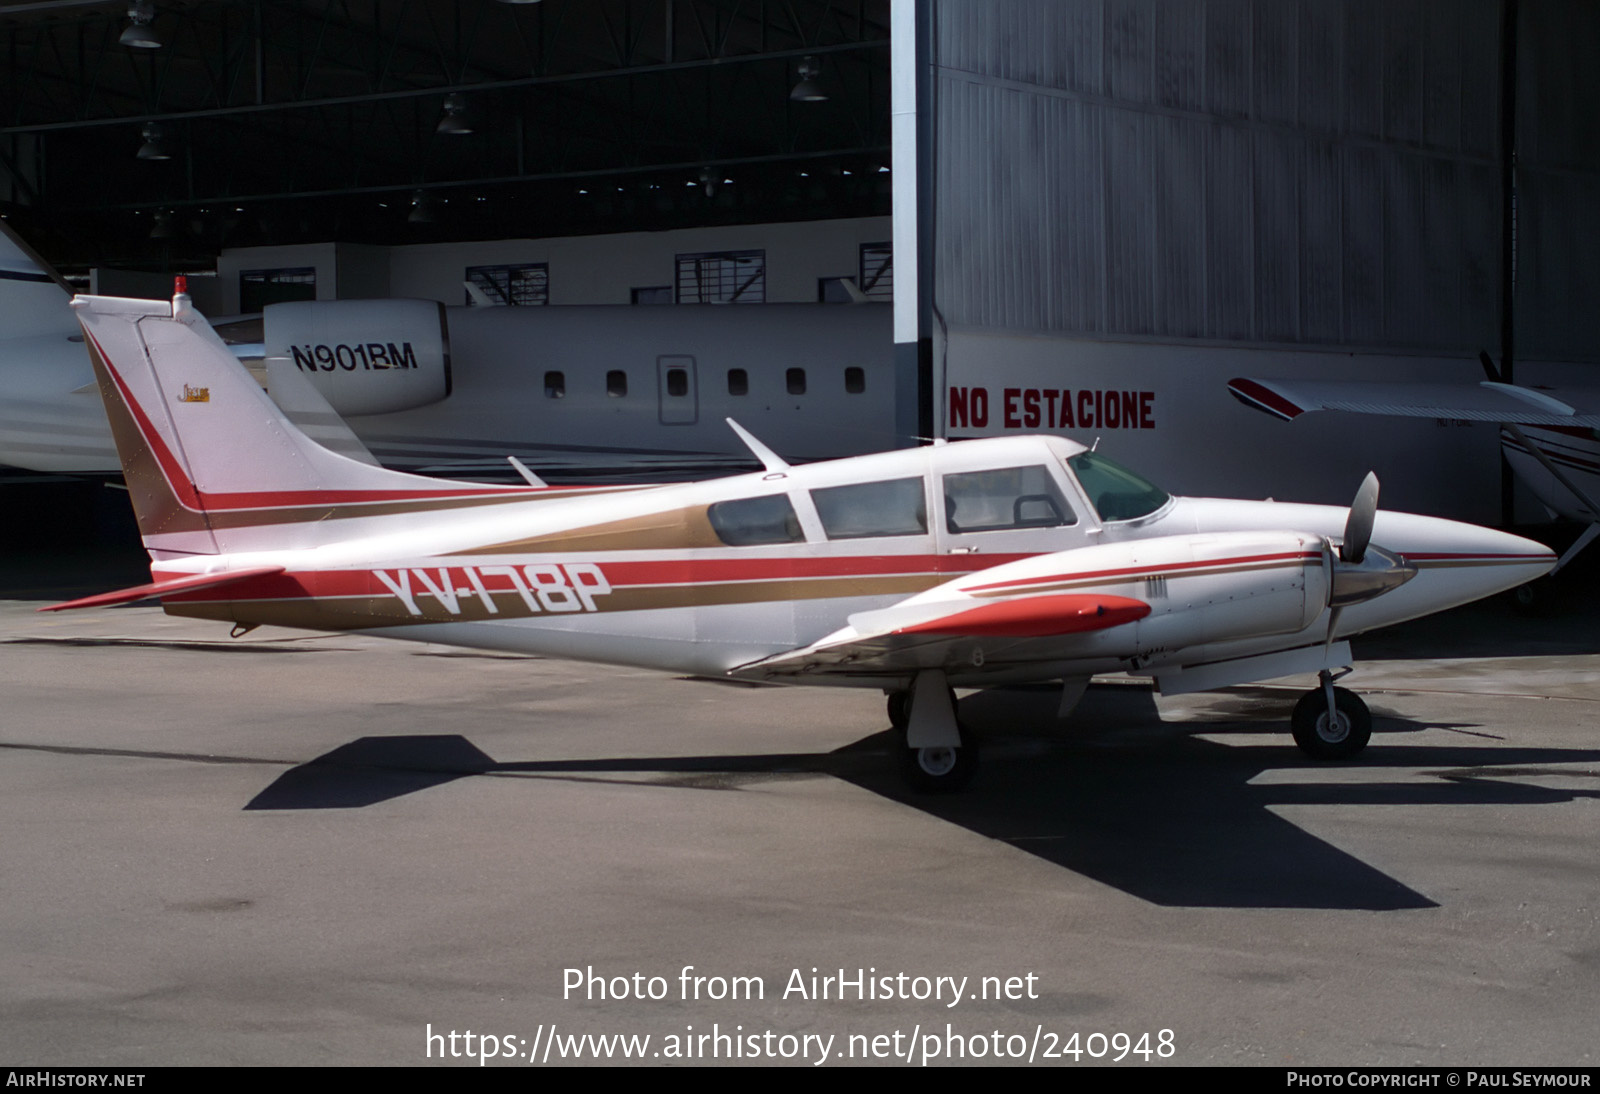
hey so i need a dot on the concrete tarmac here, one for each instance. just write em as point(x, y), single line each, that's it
point(313, 849)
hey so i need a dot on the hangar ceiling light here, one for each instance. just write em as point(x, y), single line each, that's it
point(808, 90)
point(154, 146)
point(454, 121)
point(140, 34)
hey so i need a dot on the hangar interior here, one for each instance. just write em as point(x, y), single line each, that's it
point(1133, 200)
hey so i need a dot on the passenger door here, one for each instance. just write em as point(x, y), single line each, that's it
point(678, 393)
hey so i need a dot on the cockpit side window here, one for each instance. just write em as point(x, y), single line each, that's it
point(891, 508)
point(1006, 498)
point(747, 522)
point(1115, 492)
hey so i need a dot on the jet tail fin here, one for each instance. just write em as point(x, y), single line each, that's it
point(212, 464)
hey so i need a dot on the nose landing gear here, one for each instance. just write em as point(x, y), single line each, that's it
point(1331, 723)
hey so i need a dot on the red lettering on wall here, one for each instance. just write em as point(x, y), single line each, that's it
point(958, 408)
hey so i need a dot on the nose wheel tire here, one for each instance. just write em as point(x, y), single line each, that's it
point(1337, 738)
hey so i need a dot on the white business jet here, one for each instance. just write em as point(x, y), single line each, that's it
point(973, 564)
point(613, 391)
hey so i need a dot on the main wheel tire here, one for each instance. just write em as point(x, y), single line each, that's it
point(1337, 738)
point(941, 769)
point(900, 709)
point(1535, 598)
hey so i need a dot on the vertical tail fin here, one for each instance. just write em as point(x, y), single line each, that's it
point(32, 294)
point(212, 464)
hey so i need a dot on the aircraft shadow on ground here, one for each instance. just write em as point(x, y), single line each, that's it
point(1115, 795)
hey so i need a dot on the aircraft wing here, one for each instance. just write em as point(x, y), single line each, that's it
point(1482, 402)
point(972, 622)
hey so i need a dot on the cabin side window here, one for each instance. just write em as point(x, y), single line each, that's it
point(616, 383)
point(1006, 498)
point(748, 522)
point(892, 508)
point(795, 380)
point(855, 380)
point(555, 385)
point(738, 382)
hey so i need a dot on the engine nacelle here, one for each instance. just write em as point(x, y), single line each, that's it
point(365, 356)
point(1229, 586)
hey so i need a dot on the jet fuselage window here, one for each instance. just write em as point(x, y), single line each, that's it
point(555, 385)
point(1007, 498)
point(738, 382)
point(855, 380)
point(677, 382)
point(1115, 492)
point(891, 508)
point(616, 383)
point(795, 380)
point(747, 522)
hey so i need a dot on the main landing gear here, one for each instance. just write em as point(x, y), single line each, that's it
point(1331, 723)
point(944, 757)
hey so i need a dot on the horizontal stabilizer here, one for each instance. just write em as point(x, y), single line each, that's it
point(164, 588)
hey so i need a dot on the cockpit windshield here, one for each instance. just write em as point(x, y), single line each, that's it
point(1115, 492)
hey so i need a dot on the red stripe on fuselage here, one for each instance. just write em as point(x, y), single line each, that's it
point(1147, 570)
point(621, 575)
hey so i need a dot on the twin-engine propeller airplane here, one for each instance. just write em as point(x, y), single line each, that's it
point(967, 565)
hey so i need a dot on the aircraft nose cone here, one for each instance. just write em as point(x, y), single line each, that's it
point(1478, 561)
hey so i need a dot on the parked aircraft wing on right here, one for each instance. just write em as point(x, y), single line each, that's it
point(1486, 401)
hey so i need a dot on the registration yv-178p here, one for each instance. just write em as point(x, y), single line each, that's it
point(915, 571)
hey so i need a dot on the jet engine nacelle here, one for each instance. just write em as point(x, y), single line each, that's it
point(365, 356)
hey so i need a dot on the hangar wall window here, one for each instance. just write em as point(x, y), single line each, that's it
point(855, 380)
point(555, 385)
point(876, 279)
point(892, 508)
point(258, 288)
point(616, 383)
point(738, 382)
point(652, 294)
point(722, 277)
point(750, 521)
point(518, 286)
